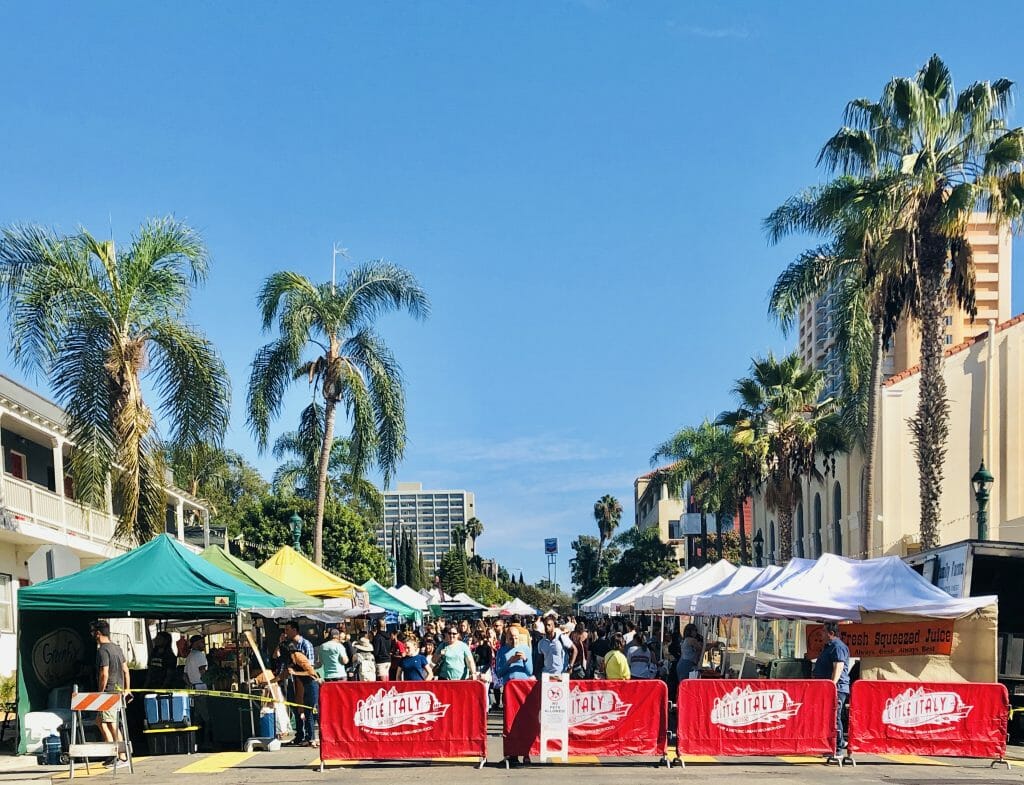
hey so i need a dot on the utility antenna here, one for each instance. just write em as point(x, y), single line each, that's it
point(343, 253)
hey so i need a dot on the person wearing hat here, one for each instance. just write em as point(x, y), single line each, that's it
point(195, 663)
point(366, 664)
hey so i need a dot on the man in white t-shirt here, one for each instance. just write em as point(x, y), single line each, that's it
point(195, 663)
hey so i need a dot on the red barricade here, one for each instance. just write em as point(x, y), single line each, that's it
point(914, 718)
point(366, 720)
point(608, 718)
point(762, 717)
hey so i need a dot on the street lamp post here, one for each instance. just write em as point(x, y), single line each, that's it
point(758, 548)
point(296, 523)
point(981, 480)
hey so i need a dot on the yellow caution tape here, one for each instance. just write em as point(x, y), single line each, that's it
point(220, 694)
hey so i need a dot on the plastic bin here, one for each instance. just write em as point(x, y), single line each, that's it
point(175, 742)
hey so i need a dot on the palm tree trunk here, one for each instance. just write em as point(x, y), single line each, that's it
point(785, 533)
point(703, 537)
point(597, 562)
point(718, 532)
point(321, 484)
point(930, 424)
point(743, 534)
point(871, 437)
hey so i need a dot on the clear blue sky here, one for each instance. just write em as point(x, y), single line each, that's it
point(578, 185)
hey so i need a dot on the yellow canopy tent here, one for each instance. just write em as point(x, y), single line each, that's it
point(291, 567)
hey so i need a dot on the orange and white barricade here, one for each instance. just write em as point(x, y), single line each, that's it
point(79, 747)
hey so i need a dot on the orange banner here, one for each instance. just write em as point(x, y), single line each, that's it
point(905, 639)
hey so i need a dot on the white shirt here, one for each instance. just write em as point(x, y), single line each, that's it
point(196, 659)
point(628, 637)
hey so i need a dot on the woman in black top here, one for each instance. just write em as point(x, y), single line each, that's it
point(483, 654)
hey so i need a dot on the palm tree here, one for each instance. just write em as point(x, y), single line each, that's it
point(782, 421)
point(99, 324)
point(352, 365)
point(936, 156)
point(708, 457)
point(608, 514)
point(459, 537)
point(298, 474)
point(474, 528)
point(848, 270)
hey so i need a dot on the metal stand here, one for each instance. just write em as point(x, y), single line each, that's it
point(1003, 761)
point(79, 748)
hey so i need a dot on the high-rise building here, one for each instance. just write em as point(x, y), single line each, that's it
point(428, 515)
point(991, 247)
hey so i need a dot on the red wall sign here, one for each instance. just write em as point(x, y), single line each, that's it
point(915, 718)
point(762, 717)
point(366, 720)
point(608, 718)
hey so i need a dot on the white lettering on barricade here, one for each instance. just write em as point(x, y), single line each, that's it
point(388, 709)
point(595, 708)
point(920, 708)
point(554, 716)
point(745, 706)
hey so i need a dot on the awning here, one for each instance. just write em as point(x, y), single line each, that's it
point(385, 599)
point(246, 573)
point(291, 567)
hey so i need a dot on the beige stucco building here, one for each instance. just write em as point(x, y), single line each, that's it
point(984, 373)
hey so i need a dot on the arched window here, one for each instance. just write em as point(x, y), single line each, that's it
point(798, 546)
point(771, 542)
point(816, 534)
point(837, 518)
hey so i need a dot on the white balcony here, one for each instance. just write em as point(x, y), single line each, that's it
point(40, 507)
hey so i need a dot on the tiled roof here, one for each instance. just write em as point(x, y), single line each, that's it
point(899, 377)
point(652, 474)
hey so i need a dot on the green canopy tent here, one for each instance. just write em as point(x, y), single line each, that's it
point(247, 573)
point(382, 598)
point(159, 580)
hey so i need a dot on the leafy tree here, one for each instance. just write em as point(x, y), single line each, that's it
point(453, 571)
point(482, 589)
point(782, 421)
point(644, 558)
point(101, 325)
point(936, 156)
point(351, 550)
point(730, 549)
point(608, 514)
point(223, 479)
point(585, 571)
point(543, 596)
point(352, 367)
point(423, 576)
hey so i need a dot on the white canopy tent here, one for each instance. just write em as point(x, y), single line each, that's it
point(741, 580)
point(410, 597)
point(465, 599)
point(836, 588)
point(516, 607)
point(590, 606)
point(629, 604)
point(651, 600)
point(601, 605)
point(743, 603)
point(592, 597)
point(664, 599)
point(611, 604)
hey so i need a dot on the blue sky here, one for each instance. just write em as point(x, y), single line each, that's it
point(578, 185)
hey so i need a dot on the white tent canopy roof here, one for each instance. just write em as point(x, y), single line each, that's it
point(410, 597)
point(647, 588)
point(743, 603)
point(703, 604)
point(590, 606)
point(738, 580)
point(516, 607)
point(600, 605)
point(611, 604)
point(840, 589)
point(465, 599)
point(649, 600)
point(664, 599)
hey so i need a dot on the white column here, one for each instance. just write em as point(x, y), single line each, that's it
point(179, 517)
point(205, 516)
point(57, 443)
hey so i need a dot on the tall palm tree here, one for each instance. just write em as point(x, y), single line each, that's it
point(709, 459)
point(849, 270)
point(937, 156)
point(98, 323)
point(474, 528)
point(352, 365)
point(783, 422)
point(608, 514)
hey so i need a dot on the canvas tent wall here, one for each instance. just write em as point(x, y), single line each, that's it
point(159, 580)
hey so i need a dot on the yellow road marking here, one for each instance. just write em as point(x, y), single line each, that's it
point(688, 759)
point(801, 758)
point(919, 760)
point(215, 763)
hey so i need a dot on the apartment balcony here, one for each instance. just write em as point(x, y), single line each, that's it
point(41, 515)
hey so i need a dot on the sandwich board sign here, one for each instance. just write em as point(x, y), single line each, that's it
point(554, 717)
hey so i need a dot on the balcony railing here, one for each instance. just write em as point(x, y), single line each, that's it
point(62, 515)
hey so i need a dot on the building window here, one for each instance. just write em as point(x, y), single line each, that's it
point(816, 539)
point(6, 604)
point(798, 546)
point(949, 321)
point(837, 518)
point(949, 339)
point(17, 465)
point(771, 542)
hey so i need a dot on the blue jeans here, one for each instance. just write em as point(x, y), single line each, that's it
point(843, 697)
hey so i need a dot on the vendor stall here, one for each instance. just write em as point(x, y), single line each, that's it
point(159, 580)
point(291, 567)
point(246, 573)
point(386, 599)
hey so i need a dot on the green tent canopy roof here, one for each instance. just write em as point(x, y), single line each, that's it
point(246, 573)
point(160, 578)
point(382, 598)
